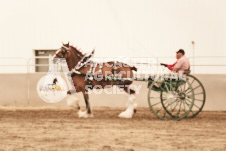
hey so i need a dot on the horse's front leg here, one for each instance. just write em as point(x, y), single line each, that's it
point(86, 97)
point(87, 113)
point(72, 100)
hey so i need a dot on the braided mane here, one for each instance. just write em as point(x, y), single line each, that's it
point(78, 50)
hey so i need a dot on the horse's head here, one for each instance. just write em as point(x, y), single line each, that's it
point(69, 53)
point(63, 52)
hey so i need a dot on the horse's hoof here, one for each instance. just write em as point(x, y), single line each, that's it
point(82, 114)
point(125, 114)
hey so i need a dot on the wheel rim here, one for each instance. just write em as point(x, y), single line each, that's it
point(199, 96)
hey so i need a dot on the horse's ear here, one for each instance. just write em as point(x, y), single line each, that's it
point(66, 45)
point(93, 51)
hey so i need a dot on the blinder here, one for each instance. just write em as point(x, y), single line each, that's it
point(60, 56)
point(63, 52)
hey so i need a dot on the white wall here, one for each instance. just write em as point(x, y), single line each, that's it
point(23, 87)
point(132, 28)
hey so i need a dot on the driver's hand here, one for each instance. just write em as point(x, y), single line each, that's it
point(163, 64)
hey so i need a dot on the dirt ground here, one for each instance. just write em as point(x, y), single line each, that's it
point(61, 129)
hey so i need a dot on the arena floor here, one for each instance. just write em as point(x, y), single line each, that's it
point(61, 129)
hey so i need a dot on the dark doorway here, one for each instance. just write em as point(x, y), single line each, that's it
point(42, 61)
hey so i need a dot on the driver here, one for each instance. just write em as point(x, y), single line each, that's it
point(182, 65)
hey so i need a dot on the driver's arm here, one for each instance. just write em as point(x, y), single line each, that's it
point(170, 67)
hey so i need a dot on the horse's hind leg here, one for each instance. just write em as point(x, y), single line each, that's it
point(131, 109)
point(131, 97)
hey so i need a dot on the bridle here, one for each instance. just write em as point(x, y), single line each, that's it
point(63, 53)
point(60, 56)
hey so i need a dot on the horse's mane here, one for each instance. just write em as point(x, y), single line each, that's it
point(75, 49)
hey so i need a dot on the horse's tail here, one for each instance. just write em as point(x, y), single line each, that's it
point(133, 68)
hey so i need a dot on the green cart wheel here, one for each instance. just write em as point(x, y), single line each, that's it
point(170, 100)
point(199, 96)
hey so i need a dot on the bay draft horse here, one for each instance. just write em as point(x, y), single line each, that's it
point(73, 57)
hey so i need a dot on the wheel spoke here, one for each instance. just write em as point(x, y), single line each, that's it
point(180, 89)
point(188, 100)
point(188, 91)
point(194, 105)
point(189, 96)
point(163, 94)
point(199, 100)
point(187, 104)
point(192, 82)
point(192, 112)
point(191, 102)
point(184, 106)
point(170, 103)
point(164, 114)
point(184, 86)
point(174, 107)
point(166, 86)
point(196, 87)
point(164, 97)
point(198, 93)
point(156, 103)
point(155, 97)
point(179, 111)
point(159, 109)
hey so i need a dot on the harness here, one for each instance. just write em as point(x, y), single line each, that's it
point(91, 71)
point(89, 76)
point(85, 61)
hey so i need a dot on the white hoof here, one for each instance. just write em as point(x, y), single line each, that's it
point(72, 101)
point(82, 114)
point(127, 114)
